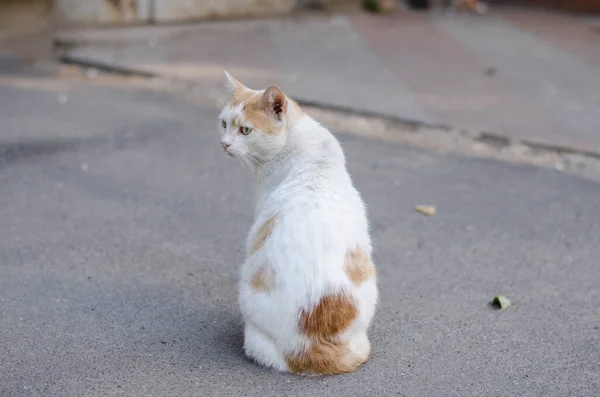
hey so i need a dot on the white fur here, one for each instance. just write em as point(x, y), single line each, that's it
point(300, 174)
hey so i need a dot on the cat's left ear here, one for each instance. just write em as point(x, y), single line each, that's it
point(231, 84)
point(275, 102)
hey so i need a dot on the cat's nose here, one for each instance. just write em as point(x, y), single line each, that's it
point(225, 145)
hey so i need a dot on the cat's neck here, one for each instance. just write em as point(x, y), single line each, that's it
point(309, 149)
point(304, 135)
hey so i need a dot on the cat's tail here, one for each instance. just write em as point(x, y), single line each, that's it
point(328, 357)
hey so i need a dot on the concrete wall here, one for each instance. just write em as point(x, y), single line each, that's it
point(101, 11)
point(170, 10)
point(143, 11)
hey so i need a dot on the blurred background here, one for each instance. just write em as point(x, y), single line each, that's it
point(471, 129)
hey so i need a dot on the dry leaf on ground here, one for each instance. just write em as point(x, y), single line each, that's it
point(428, 210)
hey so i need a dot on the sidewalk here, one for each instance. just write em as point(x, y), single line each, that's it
point(517, 72)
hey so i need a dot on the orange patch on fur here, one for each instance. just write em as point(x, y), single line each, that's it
point(358, 266)
point(242, 95)
point(325, 357)
point(263, 280)
point(332, 315)
point(263, 233)
point(260, 120)
point(327, 354)
point(255, 110)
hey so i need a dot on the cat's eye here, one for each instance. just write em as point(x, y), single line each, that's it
point(224, 123)
point(245, 130)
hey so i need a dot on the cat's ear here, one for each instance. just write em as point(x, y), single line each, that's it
point(275, 101)
point(231, 84)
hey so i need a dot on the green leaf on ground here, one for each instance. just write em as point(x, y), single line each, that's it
point(501, 302)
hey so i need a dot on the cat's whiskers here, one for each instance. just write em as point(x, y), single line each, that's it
point(247, 161)
point(240, 160)
point(257, 159)
point(258, 156)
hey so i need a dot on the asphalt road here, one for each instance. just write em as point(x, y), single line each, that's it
point(122, 226)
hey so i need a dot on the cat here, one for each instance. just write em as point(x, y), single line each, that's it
point(308, 287)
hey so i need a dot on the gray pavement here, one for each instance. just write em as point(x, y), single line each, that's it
point(122, 229)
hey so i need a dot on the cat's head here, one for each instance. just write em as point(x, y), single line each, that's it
point(253, 123)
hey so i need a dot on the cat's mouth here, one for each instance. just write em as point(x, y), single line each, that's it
point(226, 150)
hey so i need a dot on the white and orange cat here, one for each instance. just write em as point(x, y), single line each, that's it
point(308, 288)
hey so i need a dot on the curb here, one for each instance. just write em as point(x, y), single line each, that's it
point(105, 67)
point(484, 137)
point(367, 113)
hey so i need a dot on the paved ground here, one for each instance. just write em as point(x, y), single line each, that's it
point(519, 72)
point(122, 231)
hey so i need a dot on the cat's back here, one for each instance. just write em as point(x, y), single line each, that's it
point(315, 213)
point(317, 187)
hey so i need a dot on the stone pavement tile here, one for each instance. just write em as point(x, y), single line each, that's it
point(342, 69)
point(563, 85)
point(450, 81)
point(576, 34)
